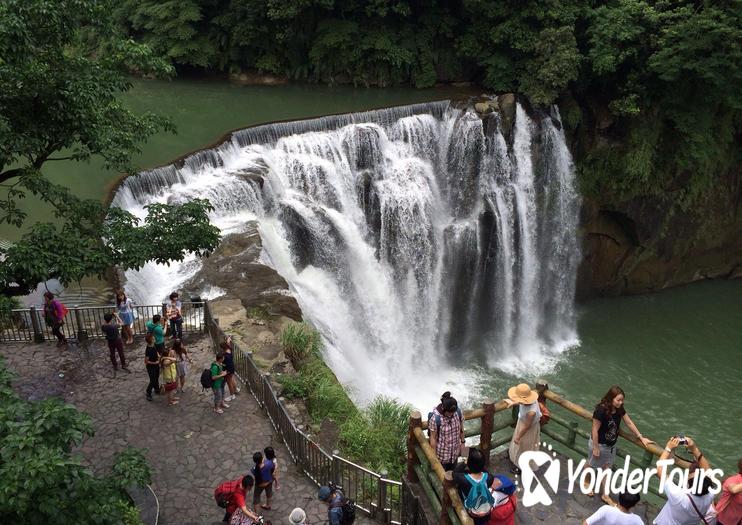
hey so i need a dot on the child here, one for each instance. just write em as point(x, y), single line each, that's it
point(183, 360)
point(270, 454)
point(170, 376)
point(152, 363)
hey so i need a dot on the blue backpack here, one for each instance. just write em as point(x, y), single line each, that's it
point(479, 501)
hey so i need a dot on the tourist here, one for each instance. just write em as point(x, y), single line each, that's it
point(527, 434)
point(183, 360)
point(113, 337)
point(474, 484)
point(271, 455)
point(175, 317)
point(170, 376)
point(684, 506)
point(617, 515)
point(217, 376)
point(506, 502)
point(607, 418)
point(227, 348)
point(125, 309)
point(54, 312)
point(335, 499)
point(156, 327)
point(297, 517)
point(446, 431)
point(729, 506)
point(152, 363)
point(263, 473)
point(232, 495)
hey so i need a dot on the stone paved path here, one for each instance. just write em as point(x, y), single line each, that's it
point(190, 449)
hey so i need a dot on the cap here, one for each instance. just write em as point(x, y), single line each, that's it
point(506, 484)
point(297, 516)
point(324, 493)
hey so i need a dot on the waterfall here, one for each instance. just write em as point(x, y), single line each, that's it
point(414, 238)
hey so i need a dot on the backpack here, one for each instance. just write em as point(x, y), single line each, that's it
point(479, 501)
point(223, 493)
point(207, 380)
point(348, 508)
point(438, 419)
point(63, 309)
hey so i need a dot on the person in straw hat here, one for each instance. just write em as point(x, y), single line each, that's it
point(527, 435)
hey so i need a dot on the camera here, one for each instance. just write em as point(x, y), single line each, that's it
point(682, 440)
point(260, 520)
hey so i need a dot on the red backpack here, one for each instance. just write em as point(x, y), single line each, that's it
point(63, 309)
point(223, 493)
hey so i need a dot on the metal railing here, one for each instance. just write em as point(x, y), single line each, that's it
point(376, 496)
point(84, 322)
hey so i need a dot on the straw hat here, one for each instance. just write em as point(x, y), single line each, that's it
point(522, 394)
point(297, 516)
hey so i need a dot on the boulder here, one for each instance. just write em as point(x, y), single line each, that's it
point(506, 104)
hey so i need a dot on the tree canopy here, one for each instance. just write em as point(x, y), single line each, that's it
point(63, 66)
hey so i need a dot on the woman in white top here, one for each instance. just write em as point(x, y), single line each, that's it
point(527, 435)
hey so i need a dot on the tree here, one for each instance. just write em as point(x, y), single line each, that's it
point(62, 69)
point(42, 482)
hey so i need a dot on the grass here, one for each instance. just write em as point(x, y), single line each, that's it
point(256, 312)
point(374, 436)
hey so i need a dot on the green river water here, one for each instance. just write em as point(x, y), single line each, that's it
point(677, 354)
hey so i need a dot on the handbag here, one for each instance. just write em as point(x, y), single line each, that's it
point(239, 518)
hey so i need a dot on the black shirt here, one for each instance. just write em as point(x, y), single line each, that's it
point(608, 431)
point(151, 354)
point(229, 362)
point(111, 331)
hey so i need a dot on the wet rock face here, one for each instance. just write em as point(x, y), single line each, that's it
point(234, 267)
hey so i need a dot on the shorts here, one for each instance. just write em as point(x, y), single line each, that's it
point(218, 395)
point(259, 490)
point(169, 387)
point(607, 455)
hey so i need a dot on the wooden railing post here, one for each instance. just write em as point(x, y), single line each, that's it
point(446, 499)
point(38, 333)
point(415, 422)
point(488, 425)
point(336, 468)
point(572, 433)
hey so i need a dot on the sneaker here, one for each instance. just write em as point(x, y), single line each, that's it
point(230, 398)
point(239, 390)
point(219, 411)
point(224, 405)
point(149, 397)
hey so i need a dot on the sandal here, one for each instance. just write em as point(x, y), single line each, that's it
point(171, 403)
point(219, 411)
point(266, 507)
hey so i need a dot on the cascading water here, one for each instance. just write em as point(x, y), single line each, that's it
point(414, 238)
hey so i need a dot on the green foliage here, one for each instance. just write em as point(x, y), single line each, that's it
point(41, 481)
point(259, 313)
point(299, 342)
point(294, 386)
point(7, 305)
point(62, 71)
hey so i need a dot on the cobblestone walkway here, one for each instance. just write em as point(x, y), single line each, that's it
point(189, 447)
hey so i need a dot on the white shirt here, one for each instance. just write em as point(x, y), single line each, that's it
point(610, 515)
point(678, 510)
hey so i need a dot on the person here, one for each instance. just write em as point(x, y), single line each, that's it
point(298, 517)
point(235, 494)
point(175, 317)
point(226, 347)
point(170, 376)
point(607, 417)
point(156, 328)
point(729, 506)
point(263, 473)
point(152, 364)
point(217, 375)
point(446, 431)
point(113, 337)
point(506, 502)
point(474, 483)
point(271, 454)
point(125, 310)
point(617, 515)
point(183, 359)
point(54, 316)
point(684, 506)
point(527, 434)
point(335, 499)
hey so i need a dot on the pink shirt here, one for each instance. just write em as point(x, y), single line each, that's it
point(730, 505)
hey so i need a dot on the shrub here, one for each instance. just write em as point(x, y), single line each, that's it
point(256, 312)
point(299, 341)
point(294, 386)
